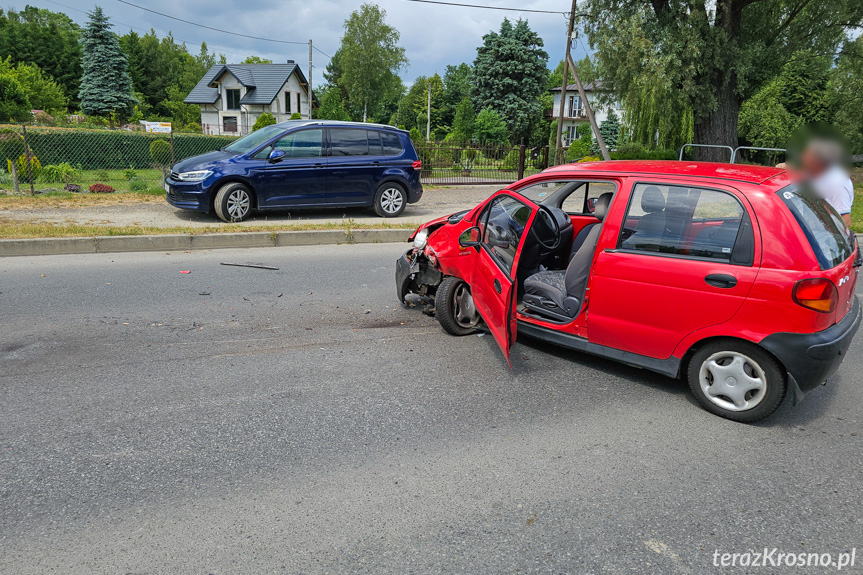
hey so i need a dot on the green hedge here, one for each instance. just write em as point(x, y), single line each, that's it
point(113, 150)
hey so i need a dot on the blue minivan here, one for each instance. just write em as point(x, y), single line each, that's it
point(312, 163)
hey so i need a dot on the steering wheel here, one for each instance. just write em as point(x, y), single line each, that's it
point(550, 220)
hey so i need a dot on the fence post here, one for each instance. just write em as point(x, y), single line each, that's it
point(29, 160)
point(521, 159)
point(173, 161)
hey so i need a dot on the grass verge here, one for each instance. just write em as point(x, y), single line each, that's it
point(21, 230)
point(70, 200)
point(857, 209)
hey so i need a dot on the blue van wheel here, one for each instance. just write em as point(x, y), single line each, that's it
point(233, 202)
point(390, 200)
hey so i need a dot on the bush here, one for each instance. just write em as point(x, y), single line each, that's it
point(74, 188)
point(59, 173)
point(137, 185)
point(510, 162)
point(577, 150)
point(11, 144)
point(130, 174)
point(265, 119)
point(160, 152)
point(111, 149)
point(295, 116)
point(637, 152)
point(21, 165)
point(589, 159)
point(101, 189)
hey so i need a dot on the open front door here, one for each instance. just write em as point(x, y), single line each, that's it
point(503, 226)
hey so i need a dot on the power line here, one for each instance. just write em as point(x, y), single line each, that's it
point(506, 8)
point(210, 27)
point(322, 52)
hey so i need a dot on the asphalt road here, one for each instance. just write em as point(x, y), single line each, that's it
point(235, 420)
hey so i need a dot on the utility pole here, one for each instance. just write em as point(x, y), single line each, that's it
point(428, 112)
point(589, 111)
point(309, 80)
point(559, 141)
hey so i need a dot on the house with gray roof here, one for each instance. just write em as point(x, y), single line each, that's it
point(573, 108)
point(232, 96)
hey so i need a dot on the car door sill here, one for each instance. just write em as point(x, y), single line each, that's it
point(669, 367)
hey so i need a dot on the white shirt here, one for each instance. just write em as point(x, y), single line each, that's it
point(835, 186)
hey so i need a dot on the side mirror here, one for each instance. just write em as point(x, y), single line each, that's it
point(591, 205)
point(469, 238)
point(276, 156)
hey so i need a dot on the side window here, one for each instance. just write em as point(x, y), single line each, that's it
point(392, 144)
point(501, 227)
point(578, 202)
point(684, 221)
point(304, 144)
point(348, 142)
point(374, 143)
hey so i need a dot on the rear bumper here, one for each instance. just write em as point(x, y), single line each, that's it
point(811, 358)
point(415, 192)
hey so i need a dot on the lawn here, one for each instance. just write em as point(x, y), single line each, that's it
point(857, 209)
point(120, 180)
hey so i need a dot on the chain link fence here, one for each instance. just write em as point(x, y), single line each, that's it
point(39, 159)
point(54, 159)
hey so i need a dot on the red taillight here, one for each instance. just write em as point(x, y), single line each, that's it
point(819, 294)
point(417, 165)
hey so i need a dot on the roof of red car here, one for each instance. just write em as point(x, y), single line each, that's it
point(739, 172)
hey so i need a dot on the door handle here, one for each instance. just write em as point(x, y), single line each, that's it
point(721, 280)
point(497, 285)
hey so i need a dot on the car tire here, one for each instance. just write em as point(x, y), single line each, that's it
point(454, 307)
point(234, 202)
point(736, 380)
point(390, 200)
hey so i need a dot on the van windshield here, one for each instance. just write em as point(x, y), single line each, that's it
point(823, 226)
point(257, 138)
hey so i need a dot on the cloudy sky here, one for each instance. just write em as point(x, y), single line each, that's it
point(432, 35)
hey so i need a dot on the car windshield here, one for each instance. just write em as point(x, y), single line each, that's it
point(254, 140)
point(822, 225)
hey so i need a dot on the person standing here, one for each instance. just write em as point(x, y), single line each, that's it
point(821, 163)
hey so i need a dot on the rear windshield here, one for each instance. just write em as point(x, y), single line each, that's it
point(822, 225)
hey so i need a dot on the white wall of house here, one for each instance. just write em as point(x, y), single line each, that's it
point(573, 112)
point(213, 117)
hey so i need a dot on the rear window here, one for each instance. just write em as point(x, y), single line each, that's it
point(822, 225)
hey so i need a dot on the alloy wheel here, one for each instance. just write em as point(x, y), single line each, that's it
point(239, 203)
point(392, 200)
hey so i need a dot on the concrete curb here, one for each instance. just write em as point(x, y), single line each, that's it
point(174, 242)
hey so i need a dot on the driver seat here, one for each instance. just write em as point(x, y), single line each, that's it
point(558, 293)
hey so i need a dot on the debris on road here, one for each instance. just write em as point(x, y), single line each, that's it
point(248, 265)
point(185, 271)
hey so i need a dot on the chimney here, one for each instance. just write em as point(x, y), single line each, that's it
point(291, 62)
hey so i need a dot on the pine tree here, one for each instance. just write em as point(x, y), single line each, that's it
point(106, 89)
point(610, 129)
point(462, 126)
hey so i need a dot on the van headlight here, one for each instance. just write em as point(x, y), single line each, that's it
point(194, 176)
point(420, 239)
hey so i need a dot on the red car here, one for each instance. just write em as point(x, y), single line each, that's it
point(728, 275)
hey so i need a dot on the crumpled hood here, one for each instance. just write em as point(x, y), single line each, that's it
point(202, 162)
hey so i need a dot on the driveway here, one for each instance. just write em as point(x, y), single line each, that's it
point(436, 202)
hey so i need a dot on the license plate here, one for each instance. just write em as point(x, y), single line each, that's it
point(167, 187)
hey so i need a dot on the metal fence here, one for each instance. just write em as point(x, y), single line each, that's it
point(454, 163)
point(73, 159)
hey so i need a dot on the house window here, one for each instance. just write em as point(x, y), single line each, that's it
point(571, 135)
point(575, 109)
point(299, 104)
point(229, 124)
point(233, 99)
point(287, 102)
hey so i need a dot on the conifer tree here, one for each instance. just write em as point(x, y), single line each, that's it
point(106, 89)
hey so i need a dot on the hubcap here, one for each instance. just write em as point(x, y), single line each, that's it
point(464, 309)
point(733, 381)
point(392, 200)
point(239, 204)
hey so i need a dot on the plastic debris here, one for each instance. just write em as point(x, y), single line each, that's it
point(185, 271)
point(248, 265)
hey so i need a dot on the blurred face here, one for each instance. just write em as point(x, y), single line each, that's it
point(811, 164)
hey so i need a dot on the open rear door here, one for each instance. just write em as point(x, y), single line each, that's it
point(503, 228)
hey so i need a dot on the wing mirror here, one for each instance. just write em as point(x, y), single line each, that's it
point(591, 205)
point(276, 156)
point(469, 238)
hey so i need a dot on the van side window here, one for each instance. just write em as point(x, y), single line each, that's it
point(392, 144)
point(348, 142)
point(303, 144)
point(682, 221)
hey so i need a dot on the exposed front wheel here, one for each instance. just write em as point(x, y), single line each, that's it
point(390, 200)
point(737, 380)
point(233, 202)
point(454, 307)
